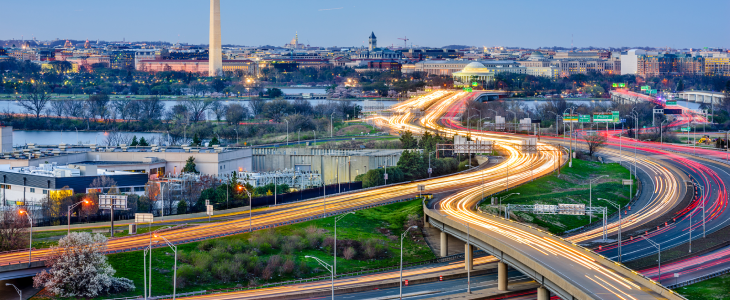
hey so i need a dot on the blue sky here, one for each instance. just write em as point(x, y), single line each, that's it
point(615, 23)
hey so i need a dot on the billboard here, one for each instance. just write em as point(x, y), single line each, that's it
point(119, 201)
point(673, 111)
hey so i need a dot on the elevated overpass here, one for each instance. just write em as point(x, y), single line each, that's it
point(702, 97)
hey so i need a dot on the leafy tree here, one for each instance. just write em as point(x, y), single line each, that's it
point(411, 163)
point(274, 93)
point(78, 268)
point(143, 142)
point(190, 166)
point(182, 207)
point(680, 85)
point(214, 141)
point(218, 84)
point(196, 141)
point(408, 141)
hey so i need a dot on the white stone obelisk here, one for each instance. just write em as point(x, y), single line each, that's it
point(215, 56)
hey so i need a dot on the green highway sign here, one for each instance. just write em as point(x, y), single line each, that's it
point(645, 87)
point(687, 129)
point(603, 117)
point(568, 118)
point(584, 118)
point(616, 117)
point(652, 92)
point(468, 89)
point(671, 102)
point(474, 84)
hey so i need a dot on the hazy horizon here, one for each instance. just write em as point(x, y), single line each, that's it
point(529, 24)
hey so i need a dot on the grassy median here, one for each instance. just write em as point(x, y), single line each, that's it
point(366, 239)
point(717, 288)
point(572, 187)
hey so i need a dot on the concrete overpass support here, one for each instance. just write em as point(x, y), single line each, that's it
point(501, 276)
point(543, 293)
point(468, 257)
point(444, 244)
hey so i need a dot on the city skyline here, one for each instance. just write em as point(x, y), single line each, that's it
point(332, 23)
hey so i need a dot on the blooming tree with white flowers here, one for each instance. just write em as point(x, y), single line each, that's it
point(79, 268)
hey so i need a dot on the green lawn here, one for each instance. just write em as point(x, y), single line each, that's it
point(717, 288)
point(383, 224)
point(571, 188)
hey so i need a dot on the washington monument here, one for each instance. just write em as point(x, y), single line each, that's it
point(215, 57)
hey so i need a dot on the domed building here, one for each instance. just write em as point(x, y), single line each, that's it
point(473, 72)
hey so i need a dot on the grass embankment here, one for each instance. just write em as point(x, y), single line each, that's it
point(278, 254)
point(717, 288)
point(572, 187)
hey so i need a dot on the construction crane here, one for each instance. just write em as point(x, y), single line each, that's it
point(405, 42)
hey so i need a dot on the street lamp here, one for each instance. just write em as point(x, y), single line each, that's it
point(468, 264)
point(515, 119)
point(236, 130)
point(500, 203)
point(337, 218)
point(329, 268)
point(68, 214)
point(590, 195)
point(618, 207)
point(287, 132)
point(331, 128)
point(20, 293)
point(250, 206)
point(556, 122)
point(174, 270)
point(661, 133)
point(402, 236)
point(659, 247)
point(30, 244)
point(702, 199)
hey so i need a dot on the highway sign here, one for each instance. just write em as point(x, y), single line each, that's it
point(671, 102)
point(207, 202)
point(603, 117)
point(385, 176)
point(672, 111)
point(686, 129)
point(474, 84)
point(143, 218)
point(615, 116)
point(584, 118)
point(209, 210)
point(545, 209)
point(623, 120)
point(572, 209)
point(421, 187)
point(627, 182)
point(119, 201)
point(568, 118)
point(429, 170)
point(652, 92)
point(645, 87)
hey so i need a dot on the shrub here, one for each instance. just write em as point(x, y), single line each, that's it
point(349, 253)
point(288, 267)
point(267, 273)
point(186, 274)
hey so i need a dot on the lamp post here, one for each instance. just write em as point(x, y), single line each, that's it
point(329, 268)
point(174, 270)
point(68, 214)
point(287, 132)
point(250, 207)
point(20, 293)
point(30, 244)
point(500, 203)
point(144, 270)
point(402, 236)
point(515, 119)
point(331, 127)
point(468, 264)
point(77, 135)
point(315, 139)
point(702, 199)
point(661, 134)
point(495, 118)
point(659, 247)
point(556, 122)
point(236, 130)
point(337, 218)
point(590, 195)
point(618, 207)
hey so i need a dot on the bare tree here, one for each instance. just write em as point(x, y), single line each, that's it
point(35, 100)
point(219, 109)
point(98, 106)
point(595, 143)
point(197, 108)
point(151, 109)
point(57, 108)
point(13, 230)
point(257, 106)
point(73, 108)
point(198, 89)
